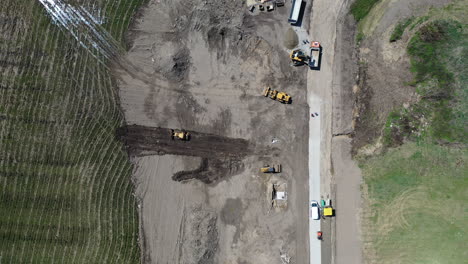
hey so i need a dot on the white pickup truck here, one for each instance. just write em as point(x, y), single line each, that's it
point(315, 210)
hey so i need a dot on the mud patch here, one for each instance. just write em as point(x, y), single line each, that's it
point(221, 156)
point(231, 211)
point(231, 214)
point(212, 170)
point(144, 141)
point(187, 108)
point(223, 123)
point(178, 70)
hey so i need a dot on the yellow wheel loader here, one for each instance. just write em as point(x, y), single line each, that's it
point(180, 135)
point(278, 96)
point(272, 169)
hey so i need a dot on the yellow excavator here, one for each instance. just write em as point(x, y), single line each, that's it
point(278, 96)
point(180, 135)
point(271, 169)
point(298, 57)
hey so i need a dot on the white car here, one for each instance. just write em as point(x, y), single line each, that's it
point(315, 210)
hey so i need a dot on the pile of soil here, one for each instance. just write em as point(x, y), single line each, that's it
point(200, 236)
point(290, 39)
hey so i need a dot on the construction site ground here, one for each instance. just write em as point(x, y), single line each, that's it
point(202, 66)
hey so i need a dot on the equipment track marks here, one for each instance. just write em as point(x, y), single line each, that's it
point(221, 156)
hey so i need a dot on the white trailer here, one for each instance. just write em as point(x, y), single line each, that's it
point(295, 10)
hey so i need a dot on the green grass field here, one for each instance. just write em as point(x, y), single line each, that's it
point(416, 191)
point(417, 209)
point(400, 29)
point(360, 8)
point(65, 188)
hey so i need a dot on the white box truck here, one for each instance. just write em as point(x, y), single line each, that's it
point(295, 10)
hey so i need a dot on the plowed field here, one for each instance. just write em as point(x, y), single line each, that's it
point(65, 189)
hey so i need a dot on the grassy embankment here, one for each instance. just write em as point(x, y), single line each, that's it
point(439, 56)
point(360, 9)
point(400, 29)
point(65, 190)
point(416, 190)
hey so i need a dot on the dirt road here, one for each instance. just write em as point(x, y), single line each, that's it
point(330, 94)
point(201, 66)
point(348, 203)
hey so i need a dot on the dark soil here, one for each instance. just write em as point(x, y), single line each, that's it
point(212, 170)
point(367, 126)
point(221, 156)
point(180, 67)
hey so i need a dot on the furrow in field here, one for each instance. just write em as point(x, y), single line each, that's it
point(58, 115)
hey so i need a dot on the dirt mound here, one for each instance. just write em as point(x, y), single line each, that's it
point(290, 39)
point(179, 68)
point(218, 20)
point(200, 236)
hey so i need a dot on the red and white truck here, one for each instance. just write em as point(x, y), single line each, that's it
point(315, 55)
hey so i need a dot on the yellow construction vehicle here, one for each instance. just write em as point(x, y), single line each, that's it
point(328, 211)
point(327, 208)
point(272, 169)
point(181, 135)
point(298, 57)
point(278, 96)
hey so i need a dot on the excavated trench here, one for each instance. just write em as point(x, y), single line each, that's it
point(221, 156)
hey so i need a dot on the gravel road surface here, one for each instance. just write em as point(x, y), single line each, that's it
point(330, 94)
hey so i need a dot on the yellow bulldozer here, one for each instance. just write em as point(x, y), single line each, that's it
point(278, 96)
point(180, 135)
point(271, 169)
point(298, 57)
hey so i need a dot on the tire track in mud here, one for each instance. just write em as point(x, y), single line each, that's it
point(221, 156)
